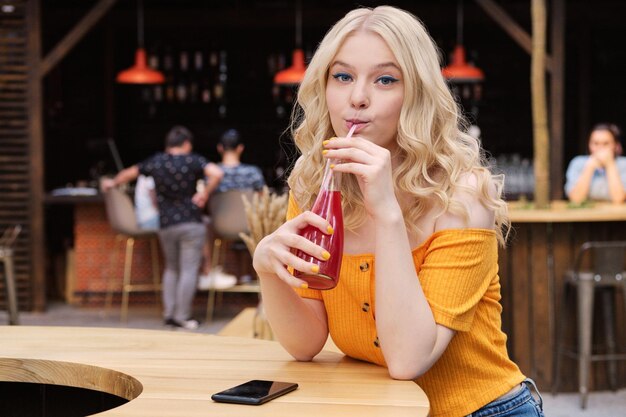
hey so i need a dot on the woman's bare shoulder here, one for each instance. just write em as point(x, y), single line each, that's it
point(468, 193)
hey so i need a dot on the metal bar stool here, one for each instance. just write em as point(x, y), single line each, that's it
point(6, 257)
point(121, 215)
point(605, 276)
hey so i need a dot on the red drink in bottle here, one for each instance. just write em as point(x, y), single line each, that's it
point(328, 206)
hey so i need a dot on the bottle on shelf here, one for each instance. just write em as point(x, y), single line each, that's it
point(181, 90)
point(198, 61)
point(205, 91)
point(181, 83)
point(183, 62)
point(219, 88)
point(194, 94)
point(157, 89)
point(168, 69)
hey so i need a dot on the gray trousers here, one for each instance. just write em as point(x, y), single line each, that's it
point(182, 249)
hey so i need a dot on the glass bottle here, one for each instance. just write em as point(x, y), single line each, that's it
point(327, 205)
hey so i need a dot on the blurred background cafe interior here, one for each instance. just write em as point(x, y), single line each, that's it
point(65, 121)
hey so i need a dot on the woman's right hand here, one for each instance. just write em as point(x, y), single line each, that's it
point(276, 251)
point(603, 157)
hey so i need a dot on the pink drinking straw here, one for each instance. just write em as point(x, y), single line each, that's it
point(351, 131)
point(329, 172)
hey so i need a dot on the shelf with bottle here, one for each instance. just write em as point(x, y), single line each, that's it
point(283, 97)
point(193, 76)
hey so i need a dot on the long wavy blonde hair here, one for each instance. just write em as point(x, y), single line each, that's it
point(435, 151)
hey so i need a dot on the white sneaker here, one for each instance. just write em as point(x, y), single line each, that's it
point(190, 324)
point(216, 280)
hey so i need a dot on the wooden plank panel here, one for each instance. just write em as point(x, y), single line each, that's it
point(36, 162)
point(520, 348)
point(13, 41)
point(11, 105)
point(12, 77)
point(12, 95)
point(504, 264)
point(539, 304)
point(564, 254)
point(15, 155)
point(20, 112)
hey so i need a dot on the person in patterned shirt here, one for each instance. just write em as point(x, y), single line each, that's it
point(176, 172)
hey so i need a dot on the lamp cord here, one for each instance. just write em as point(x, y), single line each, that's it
point(140, 23)
point(459, 22)
point(298, 24)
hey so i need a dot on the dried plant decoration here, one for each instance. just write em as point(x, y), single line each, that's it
point(265, 213)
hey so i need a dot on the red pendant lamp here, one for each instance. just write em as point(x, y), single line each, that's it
point(459, 70)
point(140, 73)
point(295, 73)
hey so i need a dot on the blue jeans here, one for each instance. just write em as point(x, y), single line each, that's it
point(520, 404)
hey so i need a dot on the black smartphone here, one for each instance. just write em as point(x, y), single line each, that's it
point(254, 392)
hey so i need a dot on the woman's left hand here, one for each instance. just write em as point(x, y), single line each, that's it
point(371, 164)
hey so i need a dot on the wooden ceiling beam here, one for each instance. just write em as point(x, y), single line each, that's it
point(510, 26)
point(76, 34)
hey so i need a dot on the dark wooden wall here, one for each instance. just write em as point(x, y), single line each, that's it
point(532, 272)
point(80, 104)
point(15, 151)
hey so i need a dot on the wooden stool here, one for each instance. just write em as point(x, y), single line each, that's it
point(121, 216)
point(228, 219)
point(6, 257)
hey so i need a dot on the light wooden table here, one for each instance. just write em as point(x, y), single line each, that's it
point(178, 372)
point(562, 212)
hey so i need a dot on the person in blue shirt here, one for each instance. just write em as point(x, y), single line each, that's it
point(237, 176)
point(601, 175)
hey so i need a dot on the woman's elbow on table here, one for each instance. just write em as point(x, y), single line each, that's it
point(406, 373)
point(409, 369)
point(303, 353)
point(303, 356)
point(415, 362)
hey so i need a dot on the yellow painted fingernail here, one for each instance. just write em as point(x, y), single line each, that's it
point(315, 269)
point(304, 285)
point(325, 151)
point(332, 166)
point(326, 142)
point(334, 137)
point(330, 230)
point(326, 255)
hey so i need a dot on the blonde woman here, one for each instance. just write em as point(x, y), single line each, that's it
point(419, 289)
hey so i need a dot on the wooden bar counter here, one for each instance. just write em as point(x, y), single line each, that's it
point(171, 373)
point(542, 246)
